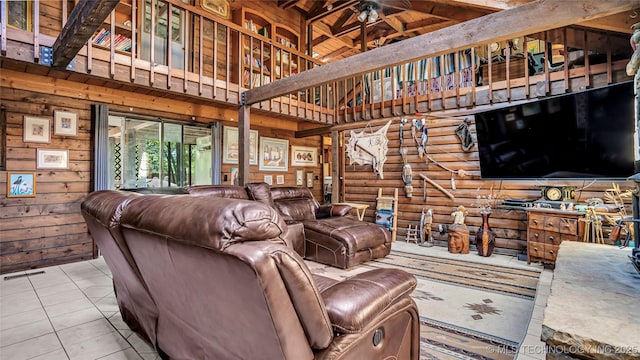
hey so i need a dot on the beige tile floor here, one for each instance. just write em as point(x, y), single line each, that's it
point(70, 312)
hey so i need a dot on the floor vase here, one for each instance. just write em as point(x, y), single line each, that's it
point(485, 237)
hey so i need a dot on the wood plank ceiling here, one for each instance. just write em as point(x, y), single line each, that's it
point(338, 33)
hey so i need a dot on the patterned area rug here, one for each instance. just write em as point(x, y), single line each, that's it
point(467, 310)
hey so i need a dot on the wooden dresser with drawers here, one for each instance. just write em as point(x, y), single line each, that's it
point(547, 228)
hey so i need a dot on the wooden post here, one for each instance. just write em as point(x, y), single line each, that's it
point(244, 120)
point(335, 167)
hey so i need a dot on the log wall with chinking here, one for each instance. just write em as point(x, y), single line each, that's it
point(361, 184)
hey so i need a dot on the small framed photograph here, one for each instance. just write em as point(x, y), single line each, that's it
point(52, 159)
point(274, 154)
point(309, 179)
point(303, 156)
point(21, 184)
point(280, 179)
point(268, 179)
point(37, 130)
point(65, 123)
point(299, 177)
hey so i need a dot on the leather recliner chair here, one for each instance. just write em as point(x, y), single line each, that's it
point(227, 287)
point(332, 237)
point(101, 211)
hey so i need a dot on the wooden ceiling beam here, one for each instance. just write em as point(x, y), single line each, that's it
point(285, 4)
point(486, 4)
point(324, 11)
point(326, 30)
point(447, 11)
point(337, 26)
point(504, 25)
point(83, 22)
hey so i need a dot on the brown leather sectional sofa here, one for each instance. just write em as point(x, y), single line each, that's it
point(205, 277)
point(331, 236)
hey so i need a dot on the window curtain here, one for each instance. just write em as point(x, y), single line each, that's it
point(100, 119)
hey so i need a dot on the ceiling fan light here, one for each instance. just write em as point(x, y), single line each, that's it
point(363, 16)
point(373, 16)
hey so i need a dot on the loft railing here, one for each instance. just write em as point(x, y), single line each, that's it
point(200, 55)
point(541, 64)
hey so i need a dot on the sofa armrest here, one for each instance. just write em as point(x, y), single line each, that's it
point(353, 303)
point(326, 211)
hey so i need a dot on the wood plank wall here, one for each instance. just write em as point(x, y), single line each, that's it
point(444, 146)
point(49, 229)
point(290, 175)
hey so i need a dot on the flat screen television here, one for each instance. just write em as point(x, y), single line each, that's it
point(586, 134)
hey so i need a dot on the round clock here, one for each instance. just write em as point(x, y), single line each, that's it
point(553, 193)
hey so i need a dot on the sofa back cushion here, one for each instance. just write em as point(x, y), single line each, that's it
point(226, 284)
point(212, 224)
point(294, 203)
point(221, 191)
point(260, 191)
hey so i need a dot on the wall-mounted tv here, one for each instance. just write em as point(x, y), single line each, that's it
point(586, 134)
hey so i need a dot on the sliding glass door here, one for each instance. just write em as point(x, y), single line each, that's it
point(146, 153)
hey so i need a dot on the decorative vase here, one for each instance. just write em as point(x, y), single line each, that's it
point(485, 237)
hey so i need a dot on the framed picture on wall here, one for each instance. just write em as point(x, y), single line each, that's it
point(52, 159)
point(231, 146)
point(21, 184)
point(268, 179)
point(303, 156)
point(37, 130)
point(299, 177)
point(309, 179)
point(274, 154)
point(280, 179)
point(65, 123)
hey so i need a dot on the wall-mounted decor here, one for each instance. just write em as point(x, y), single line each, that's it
point(37, 130)
point(218, 7)
point(299, 177)
point(274, 154)
point(21, 184)
point(268, 179)
point(309, 179)
point(52, 159)
point(235, 176)
point(369, 147)
point(280, 179)
point(65, 123)
point(303, 156)
point(231, 146)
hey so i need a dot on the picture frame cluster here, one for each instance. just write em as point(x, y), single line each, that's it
point(38, 130)
point(22, 184)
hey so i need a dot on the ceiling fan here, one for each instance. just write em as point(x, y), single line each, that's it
point(370, 10)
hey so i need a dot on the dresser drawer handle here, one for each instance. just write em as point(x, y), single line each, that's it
point(551, 238)
point(536, 235)
point(549, 224)
point(535, 222)
point(550, 251)
point(535, 248)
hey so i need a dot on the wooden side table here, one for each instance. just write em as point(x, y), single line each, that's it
point(360, 208)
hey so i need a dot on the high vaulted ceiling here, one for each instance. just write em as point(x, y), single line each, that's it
point(337, 32)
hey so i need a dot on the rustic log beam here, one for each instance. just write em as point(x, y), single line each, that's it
point(316, 14)
point(507, 24)
point(85, 18)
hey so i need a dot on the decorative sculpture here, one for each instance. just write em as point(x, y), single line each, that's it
point(407, 173)
point(426, 220)
point(369, 148)
point(458, 232)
